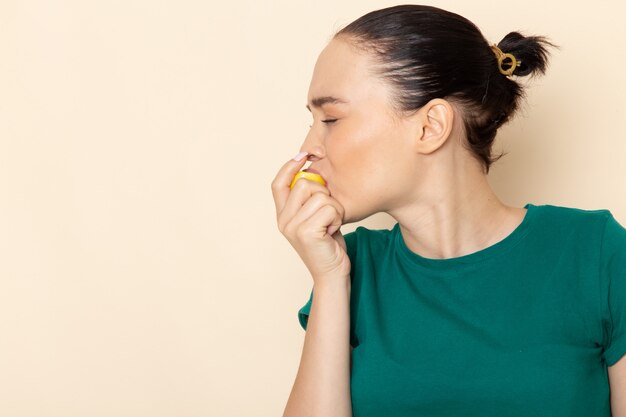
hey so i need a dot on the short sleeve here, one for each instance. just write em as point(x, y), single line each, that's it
point(303, 313)
point(613, 272)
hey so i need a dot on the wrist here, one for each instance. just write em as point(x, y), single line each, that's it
point(333, 282)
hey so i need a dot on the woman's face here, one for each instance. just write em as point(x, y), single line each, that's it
point(365, 156)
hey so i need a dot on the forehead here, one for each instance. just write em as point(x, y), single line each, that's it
point(342, 72)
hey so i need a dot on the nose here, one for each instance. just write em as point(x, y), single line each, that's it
point(313, 146)
point(315, 153)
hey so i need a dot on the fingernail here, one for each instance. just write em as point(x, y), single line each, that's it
point(300, 155)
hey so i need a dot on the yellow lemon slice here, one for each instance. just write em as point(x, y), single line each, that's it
point(309, 176)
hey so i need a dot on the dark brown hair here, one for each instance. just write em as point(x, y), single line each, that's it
point(426, 53)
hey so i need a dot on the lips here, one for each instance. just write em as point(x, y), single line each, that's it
point(315, 171)
point(312, 170)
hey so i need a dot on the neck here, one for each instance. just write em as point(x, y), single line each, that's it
point(455, 213)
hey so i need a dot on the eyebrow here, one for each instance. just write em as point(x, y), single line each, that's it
point(320, 101)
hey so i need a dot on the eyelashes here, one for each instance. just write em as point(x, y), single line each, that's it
point(327, 121)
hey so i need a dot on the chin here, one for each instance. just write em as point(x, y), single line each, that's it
point(351, 217)
point(354, 210)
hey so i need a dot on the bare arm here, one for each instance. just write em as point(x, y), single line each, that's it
point(322, 385)
point(617, 380)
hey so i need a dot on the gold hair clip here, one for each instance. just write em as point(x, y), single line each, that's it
point(501, 57)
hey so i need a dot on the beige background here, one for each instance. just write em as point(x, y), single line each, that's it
point(141, 269)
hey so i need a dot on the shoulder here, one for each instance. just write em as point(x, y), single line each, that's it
point(364, 239)
point(573, 213)
point(594, 231)
point(363, 234)
point(574, 219)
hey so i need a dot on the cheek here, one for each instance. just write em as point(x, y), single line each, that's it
point(354, 143)
point(358, 165)
point(361, 153)
point(350, 157)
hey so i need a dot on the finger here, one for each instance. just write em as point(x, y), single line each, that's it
point(311, 206)
point(282, 181)
point(316, 226)
point(335, 226)
point(302, 191)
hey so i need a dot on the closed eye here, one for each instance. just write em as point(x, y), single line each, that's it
point(327, 121)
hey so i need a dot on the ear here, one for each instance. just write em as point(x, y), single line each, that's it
point(436, 119)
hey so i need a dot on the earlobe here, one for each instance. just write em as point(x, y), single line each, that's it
point(437, 120)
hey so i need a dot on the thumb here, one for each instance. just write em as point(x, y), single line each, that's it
point(338, 236)
point(334, 227)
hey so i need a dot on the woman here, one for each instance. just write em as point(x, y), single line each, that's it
point(467, 307)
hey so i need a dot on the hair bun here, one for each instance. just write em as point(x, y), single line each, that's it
point(530, 51)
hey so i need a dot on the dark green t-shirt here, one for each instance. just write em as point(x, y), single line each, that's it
point(523, 328)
